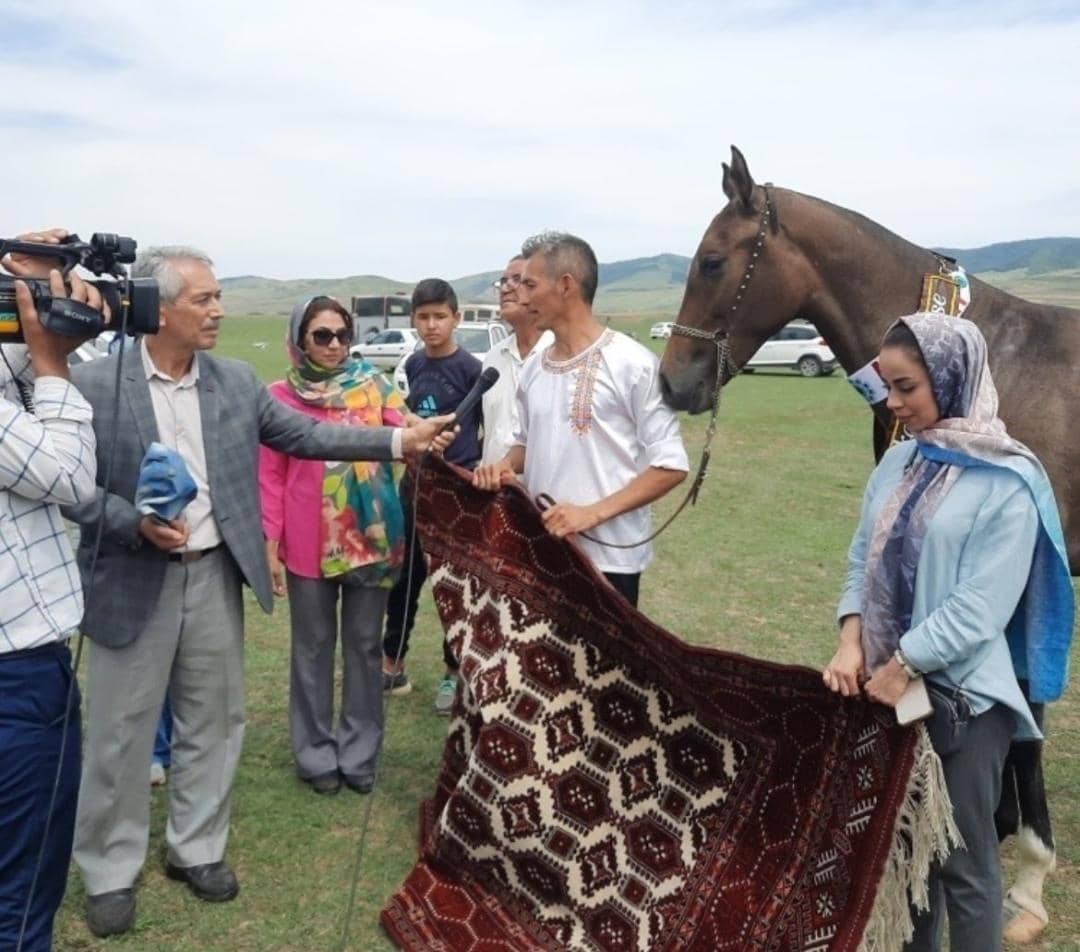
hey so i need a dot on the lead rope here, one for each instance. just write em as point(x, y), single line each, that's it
point(726, 368)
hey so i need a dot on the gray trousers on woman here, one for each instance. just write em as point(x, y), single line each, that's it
point(353, 747)
point(967, 885)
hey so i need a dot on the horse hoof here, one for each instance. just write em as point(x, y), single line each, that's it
point(1023, 928)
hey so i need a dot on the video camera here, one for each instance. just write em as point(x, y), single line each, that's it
point(133, 302)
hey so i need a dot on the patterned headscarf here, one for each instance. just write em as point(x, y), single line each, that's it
point(362, 526)
point(969, 433)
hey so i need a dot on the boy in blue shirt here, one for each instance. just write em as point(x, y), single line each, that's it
point(439, 377)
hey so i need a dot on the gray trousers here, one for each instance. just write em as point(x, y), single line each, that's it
point(967, 885)
point(353, 748)
point(192, 646)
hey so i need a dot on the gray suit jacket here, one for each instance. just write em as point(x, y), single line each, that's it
point(237, 414)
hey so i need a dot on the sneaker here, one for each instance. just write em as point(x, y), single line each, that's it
point(157, 775)
point(444, 700)
point(396, 684)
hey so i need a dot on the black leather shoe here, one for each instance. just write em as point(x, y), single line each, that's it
point(212, 882)
point(327, 783)
point(111, 913)
point(360, 784)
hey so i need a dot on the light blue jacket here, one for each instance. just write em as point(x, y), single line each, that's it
point(973, 568)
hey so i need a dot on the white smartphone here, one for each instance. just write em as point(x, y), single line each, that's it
point(914, 704)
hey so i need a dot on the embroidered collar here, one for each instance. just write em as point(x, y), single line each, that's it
point(586, 356)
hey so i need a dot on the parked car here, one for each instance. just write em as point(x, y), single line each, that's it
point(797, 346)
point(661, 331)
point(386, 348)
point(476, 338)
point(100, 346)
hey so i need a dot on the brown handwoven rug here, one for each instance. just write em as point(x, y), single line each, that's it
point(607, 786)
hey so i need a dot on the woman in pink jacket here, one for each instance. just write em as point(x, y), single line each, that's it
point(334, 539)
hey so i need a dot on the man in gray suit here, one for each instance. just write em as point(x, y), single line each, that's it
point(163, 606)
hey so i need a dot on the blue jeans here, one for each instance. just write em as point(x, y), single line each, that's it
point(163, 737)
point(34, 687)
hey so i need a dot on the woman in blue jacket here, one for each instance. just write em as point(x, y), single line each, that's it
point(958, 572)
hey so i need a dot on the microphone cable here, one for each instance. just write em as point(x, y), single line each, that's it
point(484, 382)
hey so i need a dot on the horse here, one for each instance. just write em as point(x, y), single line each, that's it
point(772, 255)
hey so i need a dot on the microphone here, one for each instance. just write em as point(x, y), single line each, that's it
point(483, 384)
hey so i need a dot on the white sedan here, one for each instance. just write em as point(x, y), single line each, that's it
point(477, 338)
point(386, 348)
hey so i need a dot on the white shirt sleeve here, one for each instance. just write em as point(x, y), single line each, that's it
point(657, 425)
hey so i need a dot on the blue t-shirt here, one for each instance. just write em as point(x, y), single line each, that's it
point(436, 386)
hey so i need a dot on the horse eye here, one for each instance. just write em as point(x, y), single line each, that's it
point(711, 265)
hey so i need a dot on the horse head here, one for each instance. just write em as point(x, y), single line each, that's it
point(744, 283)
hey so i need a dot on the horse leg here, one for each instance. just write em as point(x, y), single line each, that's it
point(1023, 810)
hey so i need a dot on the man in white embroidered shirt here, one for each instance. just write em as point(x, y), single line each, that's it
point(593, 431)
point(46, 458)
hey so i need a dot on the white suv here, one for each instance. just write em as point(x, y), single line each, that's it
point(797, 346)
point(477, 338)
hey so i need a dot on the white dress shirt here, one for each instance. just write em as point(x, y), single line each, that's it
point(589, 426)
point(500, 402)
point(179, 423)
point(47, 459)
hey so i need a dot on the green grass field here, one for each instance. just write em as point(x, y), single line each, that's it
point(755, 568)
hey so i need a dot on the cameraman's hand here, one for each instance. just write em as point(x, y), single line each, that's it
point(23, 265)
point(48, 351)
point(166, 536)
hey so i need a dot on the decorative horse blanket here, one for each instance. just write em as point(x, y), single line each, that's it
point(606, 786)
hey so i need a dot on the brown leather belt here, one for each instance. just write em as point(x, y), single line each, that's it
point(185, 557)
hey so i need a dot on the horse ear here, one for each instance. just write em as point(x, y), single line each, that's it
point(738, 182)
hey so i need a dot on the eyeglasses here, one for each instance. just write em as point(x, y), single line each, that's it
point(509, 281)
point(323, 335)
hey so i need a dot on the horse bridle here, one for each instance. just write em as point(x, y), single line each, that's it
point(719, 337)
point(724, 365)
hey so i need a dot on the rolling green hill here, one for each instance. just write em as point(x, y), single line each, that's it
point(1043, 269)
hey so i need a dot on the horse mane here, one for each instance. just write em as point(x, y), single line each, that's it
point(876, 229)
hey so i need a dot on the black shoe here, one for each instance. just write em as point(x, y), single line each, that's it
point(212, 882)
point(327, 783)
point(360, 784)
point(111, 913)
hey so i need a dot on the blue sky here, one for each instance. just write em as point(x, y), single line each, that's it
point(406, 139)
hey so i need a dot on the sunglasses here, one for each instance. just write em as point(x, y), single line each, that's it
point(323, 335)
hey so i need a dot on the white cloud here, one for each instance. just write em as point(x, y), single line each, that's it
point(413, 139)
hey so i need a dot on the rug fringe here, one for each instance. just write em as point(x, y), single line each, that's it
point(925, 832)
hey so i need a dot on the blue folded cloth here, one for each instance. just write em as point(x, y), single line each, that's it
point(165, 486)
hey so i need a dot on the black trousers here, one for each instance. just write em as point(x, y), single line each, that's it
point(404, 597)
point(626, 584)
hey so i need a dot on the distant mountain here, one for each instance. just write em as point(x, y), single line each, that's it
point(1036, 256)
point(1040, 269)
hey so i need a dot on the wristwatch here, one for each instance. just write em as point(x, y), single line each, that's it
point(902, 660)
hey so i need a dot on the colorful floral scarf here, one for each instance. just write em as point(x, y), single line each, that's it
point(969, 433)
point(362, 533)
